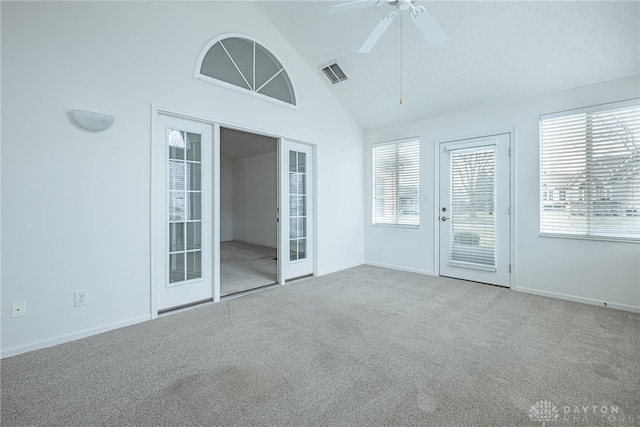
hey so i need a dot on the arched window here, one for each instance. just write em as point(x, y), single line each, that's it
point(243, 63)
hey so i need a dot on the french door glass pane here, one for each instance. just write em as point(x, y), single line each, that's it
point(176, 144)
point(302, 162)
point(302, 248)
point(176, 175)
point(297, 183)
point(293, 161)
point(194, 236)
point(297, 205)
point(193, 142)
point(185, 206)
point(298, 249)
point(176, 206)
point(472, 189)
point(194, 265)
point(176, 268)
point(194, 207)
point(193, 177)
point(176, 237)
point(297, 227)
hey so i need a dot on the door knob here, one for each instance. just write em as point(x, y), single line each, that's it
point(444, 218)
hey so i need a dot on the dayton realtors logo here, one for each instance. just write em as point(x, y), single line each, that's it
point(597, 414)
point(545, 412)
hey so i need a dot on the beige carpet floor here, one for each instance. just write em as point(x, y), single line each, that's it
point(362, 347)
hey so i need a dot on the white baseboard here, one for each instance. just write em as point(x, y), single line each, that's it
point(401, 268)
point(341, 268)
point(14, 351)
point(583, 300)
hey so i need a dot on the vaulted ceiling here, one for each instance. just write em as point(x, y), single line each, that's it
point(496, 51)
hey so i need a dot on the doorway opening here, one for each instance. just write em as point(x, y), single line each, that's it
point(248, 211)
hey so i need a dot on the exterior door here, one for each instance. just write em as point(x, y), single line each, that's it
point(474, 209)
point(185, 221)
point(296, 249)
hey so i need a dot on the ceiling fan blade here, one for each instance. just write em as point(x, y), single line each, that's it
point(377, 32)
point(346, 7)
point(429, 28)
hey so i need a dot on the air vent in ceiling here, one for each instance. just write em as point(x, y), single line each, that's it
point(334, 73)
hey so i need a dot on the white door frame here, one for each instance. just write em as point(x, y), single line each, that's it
point(512, 195)
point(158, 188)
point(157, 246)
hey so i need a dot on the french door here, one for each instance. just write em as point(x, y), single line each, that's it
point(474, 209)
point(297, 239)
point(184, 218)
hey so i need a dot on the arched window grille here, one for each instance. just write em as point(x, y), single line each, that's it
point(246, 64)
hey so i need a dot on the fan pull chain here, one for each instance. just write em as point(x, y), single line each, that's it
point(401, 100)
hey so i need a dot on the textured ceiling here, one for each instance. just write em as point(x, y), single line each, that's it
point(496, 51)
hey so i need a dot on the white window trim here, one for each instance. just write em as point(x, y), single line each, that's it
point(401, 225)
point(198, 76)
point(584, 110)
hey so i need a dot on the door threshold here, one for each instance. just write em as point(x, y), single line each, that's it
point(480, 283)
point(184, 307)
point(248, 291)
point(306, 276)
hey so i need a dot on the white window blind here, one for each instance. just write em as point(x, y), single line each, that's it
point(472, 192)
point(590, 172)
point(396, 183)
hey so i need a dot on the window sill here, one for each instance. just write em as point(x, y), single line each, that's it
point(593, 238)
point(409, 226)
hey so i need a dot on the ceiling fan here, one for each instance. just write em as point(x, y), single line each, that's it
point(419, 16)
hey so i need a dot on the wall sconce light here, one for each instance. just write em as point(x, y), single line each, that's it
point(91, 120)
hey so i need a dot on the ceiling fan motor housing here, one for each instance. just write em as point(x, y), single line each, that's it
point(405, 4)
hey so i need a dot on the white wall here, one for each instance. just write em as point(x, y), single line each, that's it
point(255, 189)
point(226, 198)
point(76, 205)
point(1, 302)
point(588, 271)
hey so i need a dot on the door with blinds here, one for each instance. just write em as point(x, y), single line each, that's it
point(474, 209)
point(296, 249)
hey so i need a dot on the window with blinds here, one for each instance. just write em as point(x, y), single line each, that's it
point(590, 172)
point(396, 183)
point(472, 193)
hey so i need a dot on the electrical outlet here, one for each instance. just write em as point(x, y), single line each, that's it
point(18, 308)
point(82, 298)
